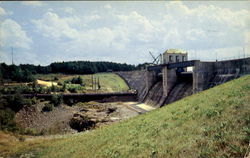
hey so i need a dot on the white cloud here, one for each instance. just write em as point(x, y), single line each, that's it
point(52, 26)
point(2, 11)
point(227, 53)
point(120, 34)
point(107, 6)
point(33, 3)
point(12, 34)
point(206, 26)
point(68, 10)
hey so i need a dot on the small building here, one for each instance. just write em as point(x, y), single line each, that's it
point(174, 55)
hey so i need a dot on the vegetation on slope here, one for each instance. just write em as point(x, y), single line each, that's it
point(46, 83)
point(109, 82)
point(213, 123)
point(23, 72)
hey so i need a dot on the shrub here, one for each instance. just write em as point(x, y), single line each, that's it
point(77, 80)
point(56, 99)
point(72, 89)
point(16, 102)
point(56, 78)
point(7, 120)
point(48, 107)
point(64, 87)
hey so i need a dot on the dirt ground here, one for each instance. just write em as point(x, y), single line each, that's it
point(58, 120)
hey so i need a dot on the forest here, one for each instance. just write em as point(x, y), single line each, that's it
point(25, 72)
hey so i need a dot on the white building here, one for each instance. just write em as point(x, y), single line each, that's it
point(174, 55)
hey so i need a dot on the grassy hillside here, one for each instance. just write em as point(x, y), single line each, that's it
point(213, 123)
point(109, 82)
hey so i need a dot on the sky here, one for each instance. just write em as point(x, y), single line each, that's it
point(42, 32)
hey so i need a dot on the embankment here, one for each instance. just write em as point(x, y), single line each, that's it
point(212, 123)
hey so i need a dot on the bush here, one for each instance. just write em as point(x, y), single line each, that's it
point(64, 87)
point(56, 78)
point(56, 99)
point(7, 120)
point(77, 80)
point(9, 105)
point(48, 107)
point(72, 89)
point(16, 102)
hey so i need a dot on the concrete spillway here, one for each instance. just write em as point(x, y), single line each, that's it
point(179, 91)
point(155, 94)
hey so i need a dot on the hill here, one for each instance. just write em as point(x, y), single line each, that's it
point(213, 123)
point(109, 82)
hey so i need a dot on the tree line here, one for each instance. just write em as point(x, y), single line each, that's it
point(24, 72)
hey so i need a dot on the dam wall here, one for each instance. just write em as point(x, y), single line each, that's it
point(210, 74)
point(155, 95)
point(203, 73)
point(172, 85)
point(139, 80)
point(169, 78)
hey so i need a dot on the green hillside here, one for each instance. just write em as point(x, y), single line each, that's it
point(213, 123)
point(109, 82)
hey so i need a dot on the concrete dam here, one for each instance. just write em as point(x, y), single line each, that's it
point(163, 84)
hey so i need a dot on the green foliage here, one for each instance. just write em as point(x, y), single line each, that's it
point(48, 107)
point(9, 105)
point(16, 102)
point(77, 80)
point(7, 120)
point(56, 78)
point(16, 73)
point(64, 87)
point(72, 89)
point(26, 89)
point(23, 73)
point(109, 82)
point(56, 99)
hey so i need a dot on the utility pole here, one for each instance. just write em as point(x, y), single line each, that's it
point(12, 55)
point(216, 56)
point(92, 81)
point(244, 68)
point(244, 52)
point(195, 55)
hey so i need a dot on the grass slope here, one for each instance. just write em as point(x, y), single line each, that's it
point(109, 82)
point(213, 123)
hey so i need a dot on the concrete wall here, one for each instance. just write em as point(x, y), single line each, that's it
point(169, 79)
point(150, 79)
point(139, 80)
point(209, 74)
point(240, 66)
point(203, 72)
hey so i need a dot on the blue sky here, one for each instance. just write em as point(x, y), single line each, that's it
point(43, 32)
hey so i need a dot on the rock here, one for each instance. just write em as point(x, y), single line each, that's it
point(80, 122)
